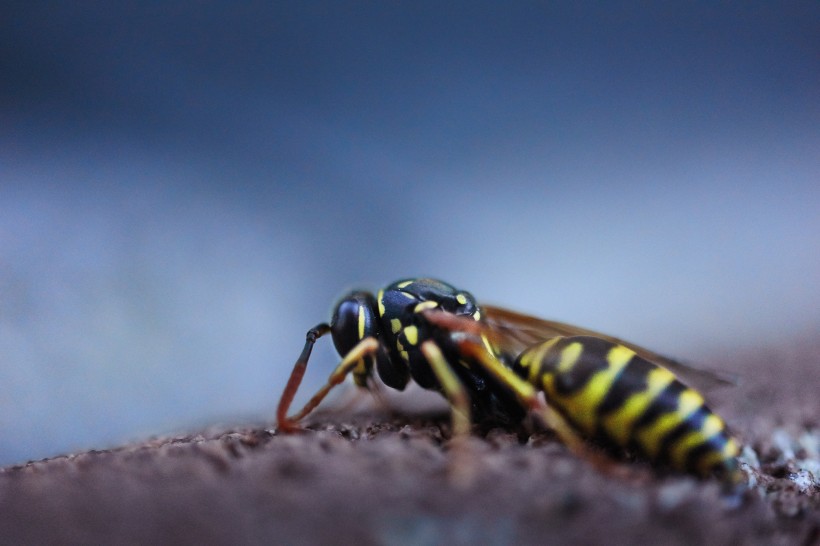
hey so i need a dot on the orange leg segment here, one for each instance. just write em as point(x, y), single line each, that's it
point(283, 423)
point(365, 348)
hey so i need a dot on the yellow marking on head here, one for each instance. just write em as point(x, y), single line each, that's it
point(477, 315)
point(618, 424)
point(412, 335)
point(405, 355)
point(569, 356)
point(583, 405)
point(405, 283)
point(395, 325)
point(361, 322)
point(461, 299)
point(425, 305)
point(381, 302)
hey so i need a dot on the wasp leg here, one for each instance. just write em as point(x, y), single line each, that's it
point(453, 389)
point(363, 349)
point(461, 471)
point(528, 396)
point(296, 376)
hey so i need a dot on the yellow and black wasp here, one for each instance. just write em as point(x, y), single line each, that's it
point(490, 364)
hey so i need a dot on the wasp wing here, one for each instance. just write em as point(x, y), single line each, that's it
point(513, 332)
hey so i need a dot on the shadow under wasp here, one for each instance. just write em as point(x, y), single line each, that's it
point(491, 364)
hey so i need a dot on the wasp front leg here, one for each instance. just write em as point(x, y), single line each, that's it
point(364, 349)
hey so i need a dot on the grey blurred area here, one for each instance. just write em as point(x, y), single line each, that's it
point(186, 188)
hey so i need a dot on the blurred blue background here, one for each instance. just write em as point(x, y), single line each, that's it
point(186, 188)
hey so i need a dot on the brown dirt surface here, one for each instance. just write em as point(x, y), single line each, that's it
point(370, 478)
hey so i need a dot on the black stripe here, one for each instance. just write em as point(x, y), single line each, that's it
point(692, 423)
point(715, 443)
point(665, 402)
point(591, 361)
point(631, 380)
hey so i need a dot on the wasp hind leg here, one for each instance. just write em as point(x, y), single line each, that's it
point(528, 397)
point(365, 348)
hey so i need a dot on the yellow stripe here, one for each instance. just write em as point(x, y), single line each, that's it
point(683, 445)
point(381, 303)
point(583, 405)
point(619, 356)
point(651, 436)
point(461, 299)
point(710, 459)
point(361, 322)
point(688, 401)
point(412, 335)
point(619, 423)
point(731, 449)
point(425, 305)
point(395, 325)
point(405, 283)
point(533, 359)
point(569, 356)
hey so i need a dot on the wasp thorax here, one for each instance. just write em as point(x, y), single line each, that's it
point(424, 294)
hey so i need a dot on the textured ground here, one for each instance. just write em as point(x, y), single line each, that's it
point(376, 479)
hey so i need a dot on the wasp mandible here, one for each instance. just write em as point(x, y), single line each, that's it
point(490, 364)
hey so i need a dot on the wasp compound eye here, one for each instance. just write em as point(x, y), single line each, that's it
point(354, 319)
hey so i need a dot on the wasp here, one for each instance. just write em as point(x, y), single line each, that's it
point(491, 364)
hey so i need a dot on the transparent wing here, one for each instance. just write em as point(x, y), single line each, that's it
point(513, 332)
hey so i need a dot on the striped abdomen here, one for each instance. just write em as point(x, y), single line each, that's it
point(609, 393)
